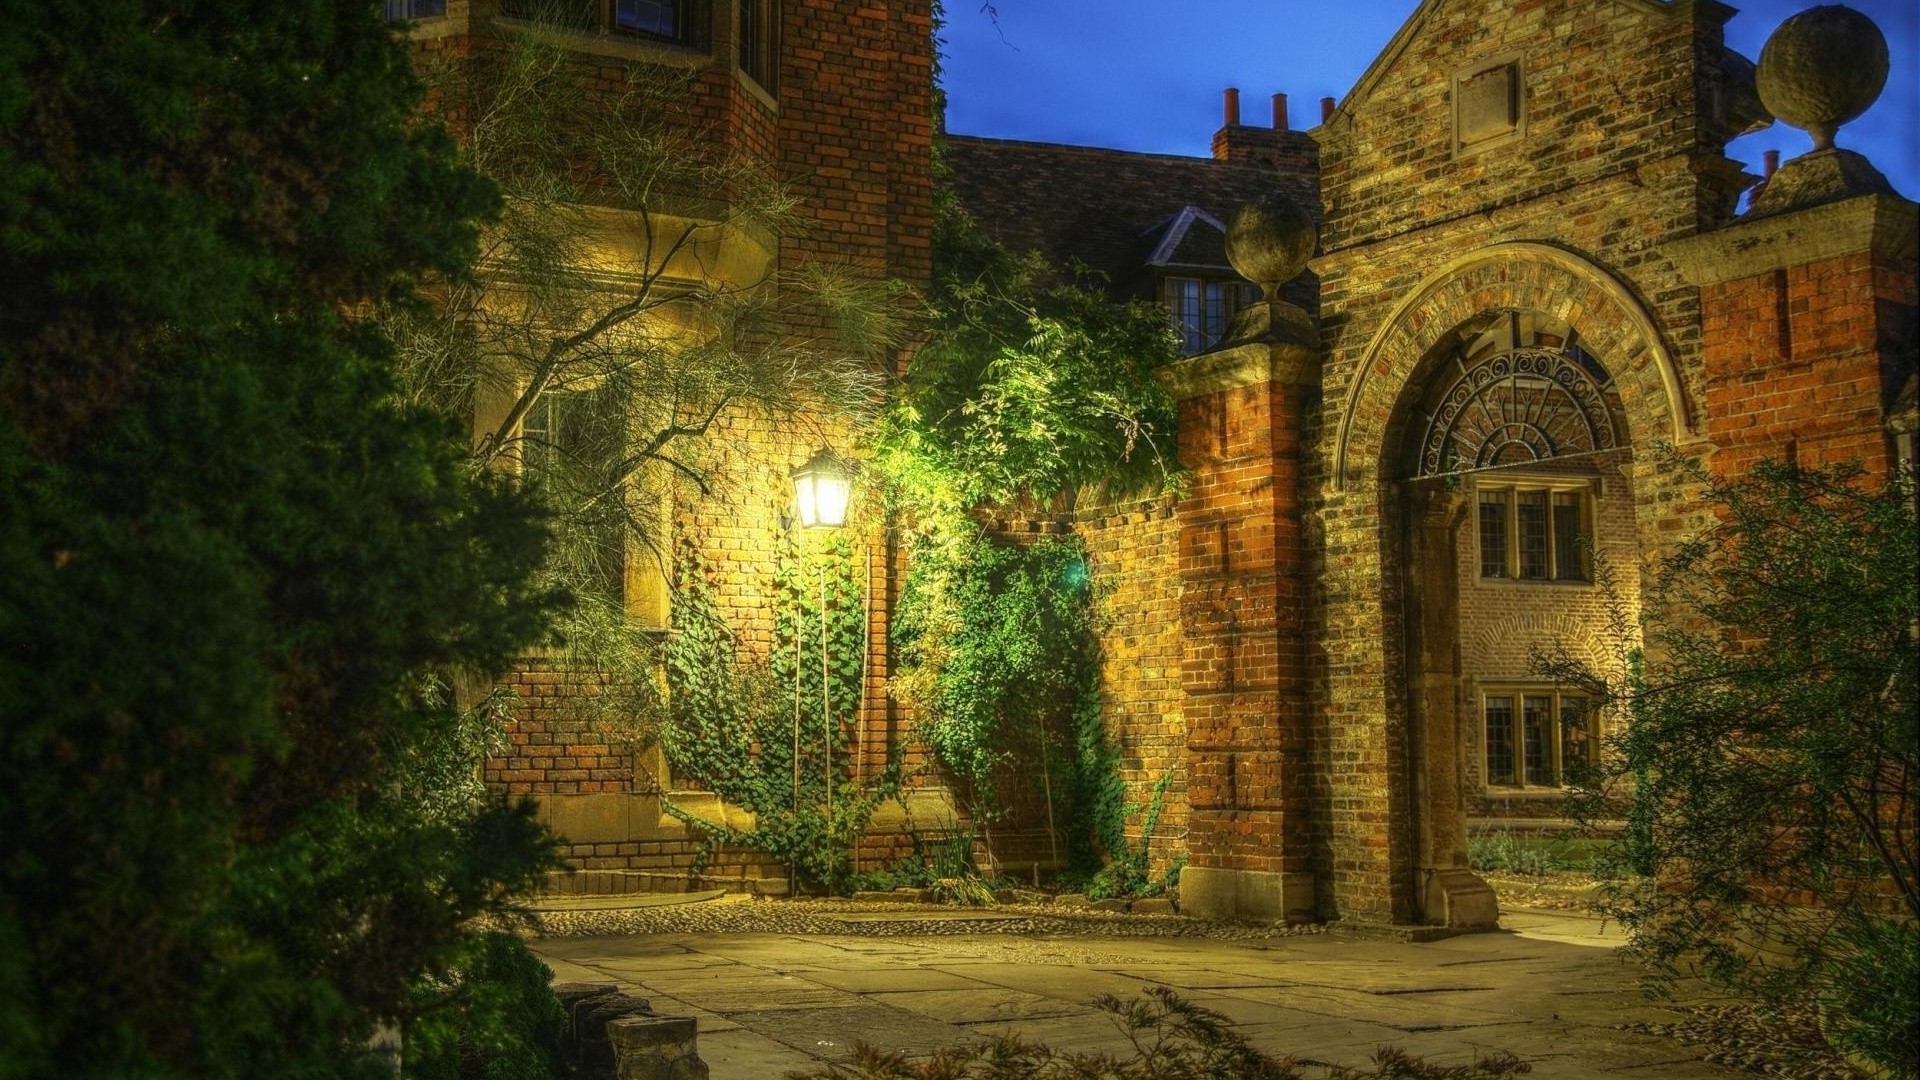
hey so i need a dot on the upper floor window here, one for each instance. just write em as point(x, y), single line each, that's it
point(396, 10)
point(759, 42)
point(1203, 308)
point(574, 445)
point(677, 21)
point(1536, 533)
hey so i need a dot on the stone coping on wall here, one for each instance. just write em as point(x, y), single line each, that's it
point(1242, 365)
point(1884, 224)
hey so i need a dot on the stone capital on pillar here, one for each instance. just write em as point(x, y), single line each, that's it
point(1277, 344)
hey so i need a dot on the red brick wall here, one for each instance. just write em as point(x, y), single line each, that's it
point(1134, 552)
point(851, 133)
point(1243, 619)
point(1801, 362)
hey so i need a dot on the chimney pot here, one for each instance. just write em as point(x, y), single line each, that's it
point(1233, 106)
point(1280, 122)
point(1326, 109)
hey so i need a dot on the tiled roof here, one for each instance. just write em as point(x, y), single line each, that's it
point(1108, 209)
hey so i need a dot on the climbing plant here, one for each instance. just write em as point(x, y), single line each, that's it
point(1001, 663)
point(1033, 387)
point(775, 735)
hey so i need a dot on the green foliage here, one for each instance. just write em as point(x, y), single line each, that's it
point(1030, 385)
point(232, 554)
point(1002, 667)
point(438, 773)
point(736, 721)
point(1504, 849)
point(492, 1016)
point(1872, 1009)
point(1128, 872)
point(1171, 1039)
point(1033, 386)
point(1769, 747)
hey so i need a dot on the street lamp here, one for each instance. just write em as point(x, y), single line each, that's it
point(821, 491)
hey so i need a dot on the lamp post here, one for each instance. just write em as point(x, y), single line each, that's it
point(821, 491)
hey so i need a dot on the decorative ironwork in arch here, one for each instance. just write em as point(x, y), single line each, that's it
point(1514, 407)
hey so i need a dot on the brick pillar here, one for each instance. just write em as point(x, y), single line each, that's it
point(1808, 320)
point(1243, 625)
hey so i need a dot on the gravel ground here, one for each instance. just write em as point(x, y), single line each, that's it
point(819, 917)
point(1759, 1040)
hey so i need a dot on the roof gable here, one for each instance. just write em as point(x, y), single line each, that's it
point(1190, 238)
point(1410, 32)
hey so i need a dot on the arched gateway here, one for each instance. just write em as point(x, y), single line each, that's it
point(1481, 471)
point(1483, 464)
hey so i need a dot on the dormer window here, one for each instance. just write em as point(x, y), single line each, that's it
point(1203, 308)
point(1199, 311)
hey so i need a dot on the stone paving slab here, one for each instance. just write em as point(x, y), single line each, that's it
point(829, 1034)
point(1403, 1012)
point(983, 1005)
point(1076, 985)
point(889, 980)
point(1191, 978)
point(1550, 992)
point(741, 1054)
point(1091, 1033)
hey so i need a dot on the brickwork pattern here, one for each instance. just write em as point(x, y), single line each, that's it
point(1501, 624)
point(1803, 361)
point(1134, 551)
point(1243, 618)
point(1621, 152)
point(555, 748)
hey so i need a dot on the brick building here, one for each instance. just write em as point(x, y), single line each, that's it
point(830, 98)
point(1531, 302)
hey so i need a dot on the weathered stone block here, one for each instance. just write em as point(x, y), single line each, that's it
point(1208, 892)
point(1461, 900)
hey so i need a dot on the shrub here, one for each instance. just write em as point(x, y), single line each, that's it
point(1502, 850)
point(1768, 755)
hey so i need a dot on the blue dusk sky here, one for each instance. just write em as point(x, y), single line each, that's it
point(1148, 76)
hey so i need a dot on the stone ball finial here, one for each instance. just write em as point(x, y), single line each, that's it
point(1270, 240)
point(1822, 68)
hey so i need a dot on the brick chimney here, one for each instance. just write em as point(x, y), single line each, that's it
point(1277, 147)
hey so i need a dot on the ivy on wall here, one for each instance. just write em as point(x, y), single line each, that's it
point(776, 735)
point(1033, 388)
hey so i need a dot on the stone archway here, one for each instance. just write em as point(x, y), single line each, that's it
point(1611, 321)
point(1396, 510)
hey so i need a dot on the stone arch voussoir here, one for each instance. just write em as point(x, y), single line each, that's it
point(1613, 325)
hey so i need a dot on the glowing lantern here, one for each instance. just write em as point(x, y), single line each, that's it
point(821, 489)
